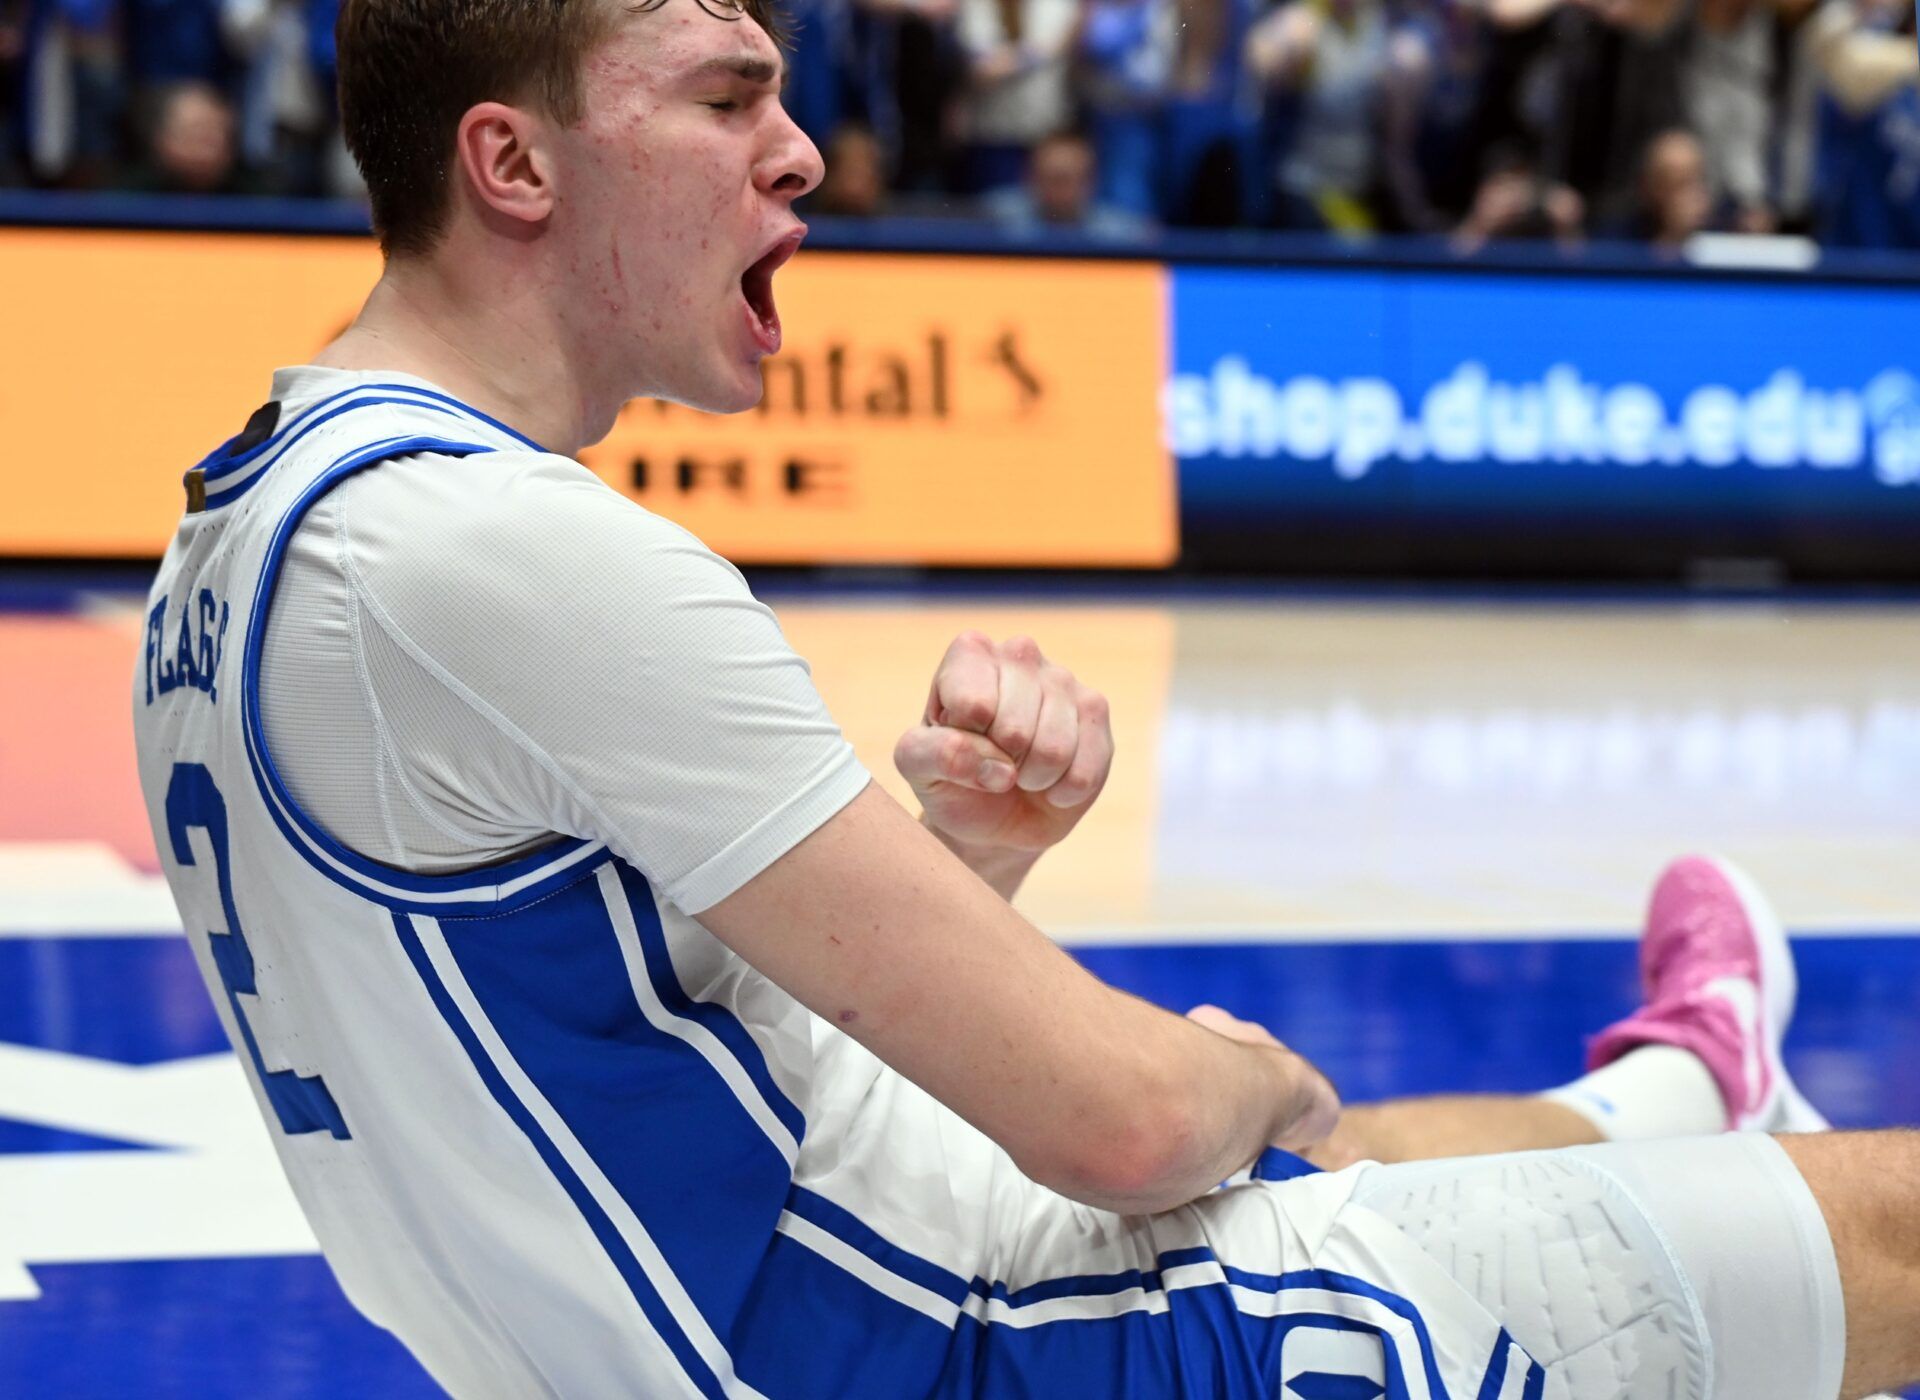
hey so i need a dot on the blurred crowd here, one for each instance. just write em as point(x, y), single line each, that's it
point(1469, 120)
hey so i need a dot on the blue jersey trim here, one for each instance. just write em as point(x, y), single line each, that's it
point(215, 468)
point(277, 446)
point(484, 885)
point(815, 1332)
point(812, 1331)
point(214, 461)
point(1093, 1285)
point(651, 1304)
point(1496, 1378)
point(226, 494)
point(1505, 1348)
point(849, 1230)
point(471, 412)
point(855, 1233)
point(1275, 1164)
point(725, 1026)
point(669, 1128)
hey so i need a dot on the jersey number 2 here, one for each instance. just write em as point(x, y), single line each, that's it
point(302, 1104)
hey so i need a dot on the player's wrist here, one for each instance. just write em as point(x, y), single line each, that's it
point(1305, 1106)
point(1002, 867)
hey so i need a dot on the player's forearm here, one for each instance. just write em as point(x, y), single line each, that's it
point(1094, 1093)
point(1189, 1109)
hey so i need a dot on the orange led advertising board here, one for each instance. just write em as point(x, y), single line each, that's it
point(926, 410)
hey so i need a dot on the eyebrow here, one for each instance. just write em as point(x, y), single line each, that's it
point(744, 66)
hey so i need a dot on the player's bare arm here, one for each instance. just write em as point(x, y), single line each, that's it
point(1093, 1092)
point(875, 926)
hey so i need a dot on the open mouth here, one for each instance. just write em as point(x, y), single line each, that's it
point(756, 286)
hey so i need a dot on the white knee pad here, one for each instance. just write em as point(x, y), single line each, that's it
point(1693, 1269)
point(1567, 1262)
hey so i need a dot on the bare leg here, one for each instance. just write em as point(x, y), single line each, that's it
point(1461, 1125)
point(1868, 1187)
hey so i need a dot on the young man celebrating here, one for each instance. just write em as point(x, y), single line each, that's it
point(620, 1039)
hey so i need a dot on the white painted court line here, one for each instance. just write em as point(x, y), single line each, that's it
point(1143, 935)
point(215, 1191)
point(80, 889)
point(77, 889)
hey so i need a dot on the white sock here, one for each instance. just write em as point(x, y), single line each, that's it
point(1656, 1091)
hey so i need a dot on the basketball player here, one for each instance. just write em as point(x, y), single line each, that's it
point(620, 1038)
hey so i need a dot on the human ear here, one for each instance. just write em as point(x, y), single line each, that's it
point(497, 148)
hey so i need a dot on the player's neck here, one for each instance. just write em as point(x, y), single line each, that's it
point(509, 358)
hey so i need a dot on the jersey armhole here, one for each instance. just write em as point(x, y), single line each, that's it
point(514, 881)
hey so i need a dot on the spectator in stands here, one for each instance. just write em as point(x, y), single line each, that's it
point(913, 77)
point(1059, 195)
point(285, 95)
point(1123, 74)
point(1438, 68)
point(1676, 200)
point(13, 49)
point(820, 61)
point(1515, 202)
point(72, 71)
point(1212, 144)
point(1869, 166)
point(1327, 62)
point(174, 41)
point(191, 148)
point(1495, 119)
point(1018, 82)
point(855, 186)
point(1592, 82)
point(1730, 75)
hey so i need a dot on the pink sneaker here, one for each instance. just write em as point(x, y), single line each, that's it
point(1719, 981)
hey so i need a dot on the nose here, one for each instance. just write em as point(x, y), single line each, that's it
point(792, 166)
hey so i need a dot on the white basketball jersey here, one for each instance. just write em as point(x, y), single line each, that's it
point(561, 1141)
point(478, 1084)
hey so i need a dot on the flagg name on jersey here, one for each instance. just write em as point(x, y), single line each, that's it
point(199, 642)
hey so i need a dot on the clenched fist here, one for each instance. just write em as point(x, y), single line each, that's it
point(1012, 749)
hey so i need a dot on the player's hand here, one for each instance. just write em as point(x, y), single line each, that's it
point(1012, 749)
point(1316, 1108)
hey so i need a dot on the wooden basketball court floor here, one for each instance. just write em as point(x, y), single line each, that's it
point(1412, 834)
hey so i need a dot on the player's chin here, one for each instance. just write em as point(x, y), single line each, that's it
point(721, 377)
point(734, 387)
